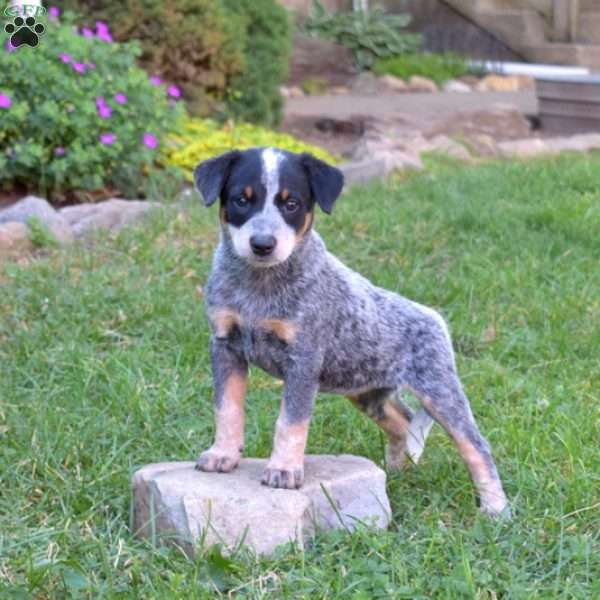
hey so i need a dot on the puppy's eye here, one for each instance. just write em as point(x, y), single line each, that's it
point(291, 205)
point(241, 202)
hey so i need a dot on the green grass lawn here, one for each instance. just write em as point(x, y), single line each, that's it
point(104, 367)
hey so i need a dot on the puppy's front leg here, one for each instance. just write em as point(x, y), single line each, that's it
point(230, 374)
point(285, 468)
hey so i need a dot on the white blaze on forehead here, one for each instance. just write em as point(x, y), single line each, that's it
point(271, 160)
point(269, 221)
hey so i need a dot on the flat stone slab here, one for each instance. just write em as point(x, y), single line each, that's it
point(174, 503)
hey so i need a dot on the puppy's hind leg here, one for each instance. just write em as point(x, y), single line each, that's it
point(442, 396)
point(384, 406)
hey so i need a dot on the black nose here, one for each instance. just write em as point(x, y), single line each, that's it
point(262, 245)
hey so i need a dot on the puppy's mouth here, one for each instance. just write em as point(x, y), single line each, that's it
point(262, 261)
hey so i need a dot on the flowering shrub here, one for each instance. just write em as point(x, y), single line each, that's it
point(228, 56)
point(202, 138)
point(77, 117)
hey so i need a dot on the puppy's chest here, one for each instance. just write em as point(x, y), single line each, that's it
point(264, 340)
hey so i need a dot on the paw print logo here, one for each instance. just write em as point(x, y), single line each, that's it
point(24, 32)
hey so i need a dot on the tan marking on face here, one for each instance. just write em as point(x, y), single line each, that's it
point(229, 416)
point(285, 330)
point(248, 191)
point(224, 321)
point(223, 214)
point(285, 194)
point(308, 221)
point(289, 445)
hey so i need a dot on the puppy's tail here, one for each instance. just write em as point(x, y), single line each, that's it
point(418, 430)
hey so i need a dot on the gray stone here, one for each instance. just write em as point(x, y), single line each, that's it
point(31, 207)
point(14, 240)
point(113, 215)
point(456, 87)
point(174, 503)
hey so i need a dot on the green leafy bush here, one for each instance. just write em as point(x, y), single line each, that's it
point(370, 34)
point(193, 43)
point(229, 57)
point(256, 96)
point(78, 117)
point(439, 67)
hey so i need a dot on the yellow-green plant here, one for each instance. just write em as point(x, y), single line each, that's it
point(199, 139)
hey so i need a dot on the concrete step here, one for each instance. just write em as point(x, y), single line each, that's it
point(587, 55)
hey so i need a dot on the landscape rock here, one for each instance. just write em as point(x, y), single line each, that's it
point(174, 503)
point(366, 84)
point(339, 90)
point(454, 86)
point(523, 148)
point(381, 164)
point(499, 83)
point(112, 214)
point(395, 84)
point(295, 91)
point(534, 146)
point(14, 240)
point(34, 207)
point(442, 144)
point(422, 84)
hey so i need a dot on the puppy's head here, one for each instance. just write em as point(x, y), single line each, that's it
point(267, 198)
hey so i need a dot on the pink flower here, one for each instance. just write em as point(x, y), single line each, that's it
point(60, 151)
point(155, 80)
point(91, 66)
point(53, 13)
point(150, 141)
point(9, 47)
point(86, 32)
point(102, 27)
point(174, 91)
point(103, 32)
point(5, 101)
point(79, 67)
point(65, 58)
point(104, 111)
point(108, 139)
point(120, 98)
point(105, 37)
point(100, 101)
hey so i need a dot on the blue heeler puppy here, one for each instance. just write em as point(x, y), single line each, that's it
point(277, 299)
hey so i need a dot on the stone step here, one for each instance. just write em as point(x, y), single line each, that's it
point(510, 25)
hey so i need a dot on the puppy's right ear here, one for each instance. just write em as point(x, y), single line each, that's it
point(210, 176)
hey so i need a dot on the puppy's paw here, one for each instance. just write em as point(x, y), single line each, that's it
point(281, 478)
point(214, 460)
point(497, 513)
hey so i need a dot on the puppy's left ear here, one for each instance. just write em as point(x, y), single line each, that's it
point(326, 182)
point(210, 176)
